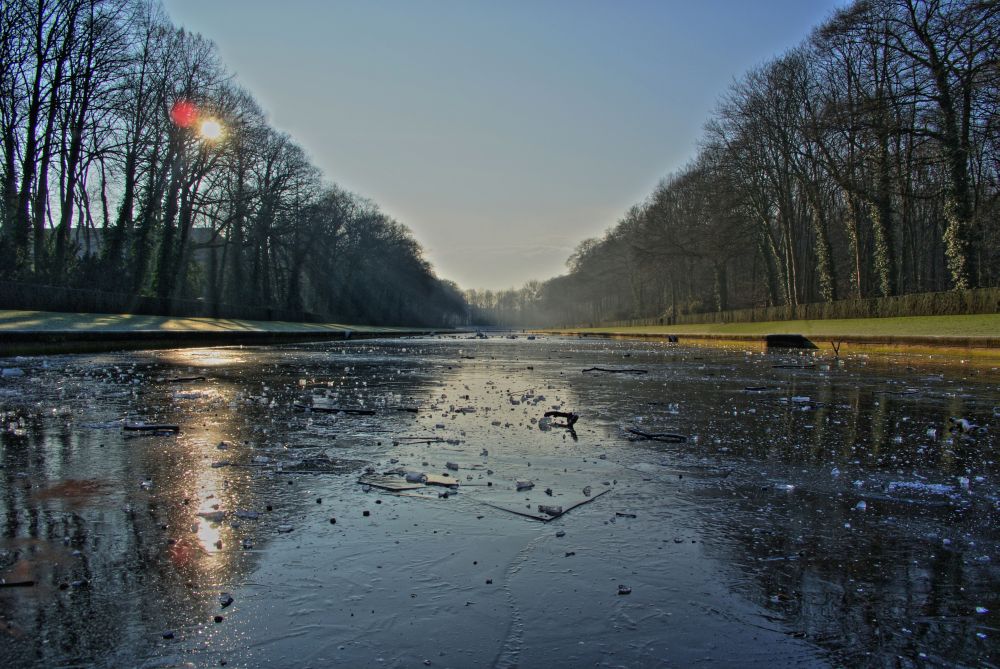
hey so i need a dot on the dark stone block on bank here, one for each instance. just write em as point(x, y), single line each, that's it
point(788, 341)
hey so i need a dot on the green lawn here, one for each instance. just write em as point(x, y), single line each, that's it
point(979, 325)
point(49, 321)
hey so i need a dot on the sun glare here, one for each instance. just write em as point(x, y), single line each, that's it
point(210, 129)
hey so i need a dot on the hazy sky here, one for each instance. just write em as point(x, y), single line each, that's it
point(501, 132)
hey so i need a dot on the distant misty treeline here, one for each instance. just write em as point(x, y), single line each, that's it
point(862, 163)
point(103, 105)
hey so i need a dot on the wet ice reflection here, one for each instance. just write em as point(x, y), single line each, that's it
point(819, 511)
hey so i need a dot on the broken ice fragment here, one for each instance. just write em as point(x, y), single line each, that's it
point(917, 486)
point(961, 423)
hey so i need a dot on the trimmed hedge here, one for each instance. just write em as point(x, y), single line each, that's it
point(950, 303)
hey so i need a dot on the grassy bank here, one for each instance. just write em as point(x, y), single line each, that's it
point(51, 321)
point(976, 325)
point(24, 332)
point(960, 337)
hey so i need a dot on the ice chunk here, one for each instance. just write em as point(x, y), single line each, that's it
point(918, 486)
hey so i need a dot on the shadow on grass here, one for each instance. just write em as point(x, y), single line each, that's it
point(41, 321)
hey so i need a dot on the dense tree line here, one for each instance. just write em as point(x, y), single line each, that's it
point(862, 163)
point(118, 126)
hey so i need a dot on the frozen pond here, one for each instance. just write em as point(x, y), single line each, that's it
point(818, 512)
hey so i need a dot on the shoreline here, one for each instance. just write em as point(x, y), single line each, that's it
point(39, 332)
point(978, 347)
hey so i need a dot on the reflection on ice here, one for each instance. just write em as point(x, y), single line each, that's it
point(205, 357)
point(807, 511)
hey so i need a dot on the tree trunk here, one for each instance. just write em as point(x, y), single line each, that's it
point(721, 286)
point(824, 256)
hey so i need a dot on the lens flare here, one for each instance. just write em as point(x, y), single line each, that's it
point(183, 113)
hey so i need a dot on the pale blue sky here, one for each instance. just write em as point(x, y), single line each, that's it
point(502, 133)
